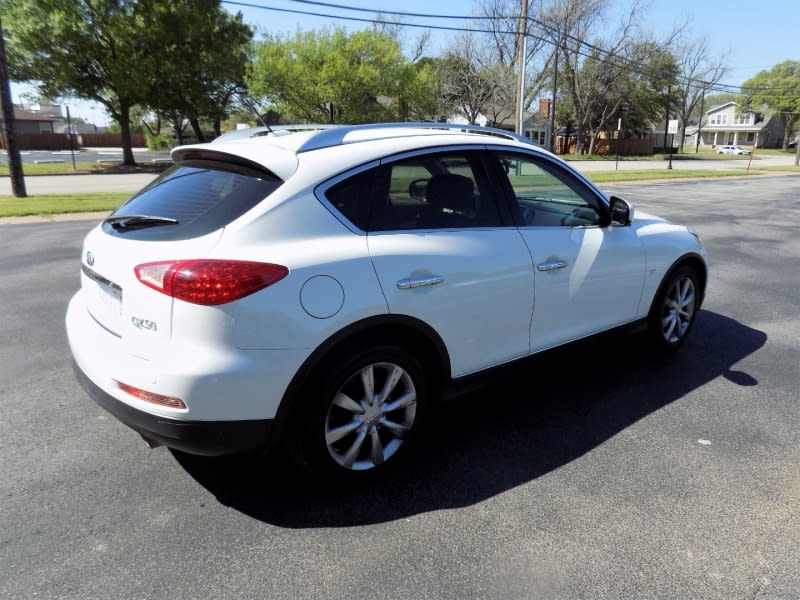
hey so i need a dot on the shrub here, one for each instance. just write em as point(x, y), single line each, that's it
point(159, 141)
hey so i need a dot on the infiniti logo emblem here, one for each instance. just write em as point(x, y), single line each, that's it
point(90, 259)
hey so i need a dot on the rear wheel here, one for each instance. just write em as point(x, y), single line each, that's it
point(365, 411)
point(674, 309)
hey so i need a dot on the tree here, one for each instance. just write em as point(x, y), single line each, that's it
point(501, 51)
point(83, 48)
point(779, 89)
point(209, 50)
point(696, 73)
point(363, 75)
point(610, 89)
point(471, 84)
point(107, 50)
point(595, 74)
point(598, 74)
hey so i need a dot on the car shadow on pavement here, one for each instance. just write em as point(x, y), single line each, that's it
point(521, 424)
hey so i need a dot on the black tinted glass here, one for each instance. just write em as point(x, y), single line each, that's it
point(434, 191)
point(202, 196)
point(350, 197)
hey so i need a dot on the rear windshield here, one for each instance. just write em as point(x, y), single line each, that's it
point(201, 195)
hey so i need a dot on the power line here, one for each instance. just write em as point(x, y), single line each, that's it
point(389, 12)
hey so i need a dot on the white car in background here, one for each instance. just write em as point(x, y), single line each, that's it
point(322, 287)
point(733, 150)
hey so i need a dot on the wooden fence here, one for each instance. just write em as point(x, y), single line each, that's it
point(60, 141)
point(113, 140)
point(627, 147)
point(40, 141)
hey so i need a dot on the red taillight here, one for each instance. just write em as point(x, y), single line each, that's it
point(168, 401)
point(209, 281)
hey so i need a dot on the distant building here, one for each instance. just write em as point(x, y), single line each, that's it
point(534, 126)
point(36, 118)
point(725, 125)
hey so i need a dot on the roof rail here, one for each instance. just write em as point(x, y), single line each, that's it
point(334, 135)
point(251, 132)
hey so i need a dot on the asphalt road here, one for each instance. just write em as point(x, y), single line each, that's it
point(91, 155)
point(598, 471)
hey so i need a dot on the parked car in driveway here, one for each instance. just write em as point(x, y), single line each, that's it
point(322, 287)
point(732, 150)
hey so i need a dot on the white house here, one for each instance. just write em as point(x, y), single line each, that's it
point(726, 125)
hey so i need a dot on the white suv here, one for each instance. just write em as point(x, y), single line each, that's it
point(324, 286)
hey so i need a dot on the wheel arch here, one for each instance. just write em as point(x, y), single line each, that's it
point(696, 262)
point(410, 333)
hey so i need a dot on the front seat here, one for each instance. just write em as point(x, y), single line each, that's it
point(451, 199)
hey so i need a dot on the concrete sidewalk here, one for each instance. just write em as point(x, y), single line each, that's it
point(90, 216)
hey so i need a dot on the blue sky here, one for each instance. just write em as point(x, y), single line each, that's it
point(753, 37)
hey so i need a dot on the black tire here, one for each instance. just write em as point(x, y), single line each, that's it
point(674, 309)
point(343, 433)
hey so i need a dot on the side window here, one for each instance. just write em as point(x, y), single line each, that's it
point(545, 198)
point(351, 198)
point(435, 191)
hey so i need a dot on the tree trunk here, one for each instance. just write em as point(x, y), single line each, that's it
point(788, 125)
point(217, 127)
point(124, 119)
point(797, 154)
point(592, 141)
point(178, 127)
point(580, 143)
point(198, 133)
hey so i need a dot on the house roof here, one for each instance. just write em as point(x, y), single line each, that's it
point(720, 107)
point(529, 118)
point(30, 115)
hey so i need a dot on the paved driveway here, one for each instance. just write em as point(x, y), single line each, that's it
point(597, 471)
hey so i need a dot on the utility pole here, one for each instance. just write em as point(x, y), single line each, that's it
point(7, 105)
point(520, 101)
point(553, 102)
point(666, 120)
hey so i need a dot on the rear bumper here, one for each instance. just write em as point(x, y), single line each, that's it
point(209, 438)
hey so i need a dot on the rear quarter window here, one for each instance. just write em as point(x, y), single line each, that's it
point(201, 195)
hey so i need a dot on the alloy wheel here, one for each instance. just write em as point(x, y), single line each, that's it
point(678, 309)
point(370, 416)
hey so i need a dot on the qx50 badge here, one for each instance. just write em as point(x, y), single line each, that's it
point(144, 324)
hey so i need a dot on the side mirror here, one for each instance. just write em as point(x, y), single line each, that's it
point(621, 212)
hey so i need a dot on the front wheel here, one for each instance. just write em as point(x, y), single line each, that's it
point(674, 308)
point(365, 410)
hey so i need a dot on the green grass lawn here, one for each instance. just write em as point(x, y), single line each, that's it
point(774, 152)
point(788, 168)
point(644, 175)
point(86, 168)
point(51, 205)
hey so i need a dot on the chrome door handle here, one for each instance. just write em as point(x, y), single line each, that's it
point(407, 284)
point(552, 265)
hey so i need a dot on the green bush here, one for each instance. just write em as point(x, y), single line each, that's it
point(159, 141)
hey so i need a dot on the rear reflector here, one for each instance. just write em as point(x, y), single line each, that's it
point(151, 397)
point(209, 281)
